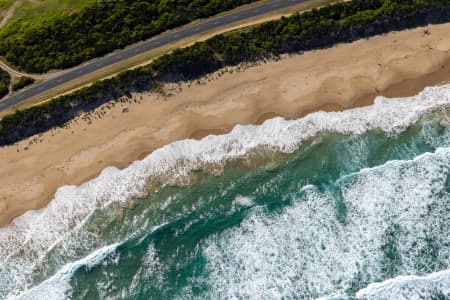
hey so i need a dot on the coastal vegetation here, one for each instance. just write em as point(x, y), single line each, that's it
point(4, 83)
point(68, 38)
point(5, 3)
point(319, 28)
point(22, 82)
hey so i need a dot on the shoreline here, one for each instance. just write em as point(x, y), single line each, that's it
point(337, 78)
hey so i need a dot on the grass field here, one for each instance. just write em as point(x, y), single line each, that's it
point(29, 12)
point(5, 3)
point(39, 8)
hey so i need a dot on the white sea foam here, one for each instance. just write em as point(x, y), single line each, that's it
point(410, 287)
point(27, 240)
point(58, 286)
point(243, 201)
point(400, 208)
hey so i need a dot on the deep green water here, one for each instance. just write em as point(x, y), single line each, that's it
point(340, 213)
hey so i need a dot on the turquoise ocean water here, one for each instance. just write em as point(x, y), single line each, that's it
point(352, 205)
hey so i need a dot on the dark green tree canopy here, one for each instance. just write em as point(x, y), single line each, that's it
point(4, 83)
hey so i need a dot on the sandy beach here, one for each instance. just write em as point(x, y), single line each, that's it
point(345, 76)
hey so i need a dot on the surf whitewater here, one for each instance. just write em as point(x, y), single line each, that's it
point(350, 204)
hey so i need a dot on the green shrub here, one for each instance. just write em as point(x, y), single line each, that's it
point(4, 83)
point(22, 82)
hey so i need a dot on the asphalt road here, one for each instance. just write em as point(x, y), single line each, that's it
point(145, 46)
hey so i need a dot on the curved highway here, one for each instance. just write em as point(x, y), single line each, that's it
point(153, 43)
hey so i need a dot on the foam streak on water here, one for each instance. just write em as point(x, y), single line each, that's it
point(410, 287)
point(396, 222)
point(25, 243)
point(58, 286)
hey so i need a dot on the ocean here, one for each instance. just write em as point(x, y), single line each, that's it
point(335, 205)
